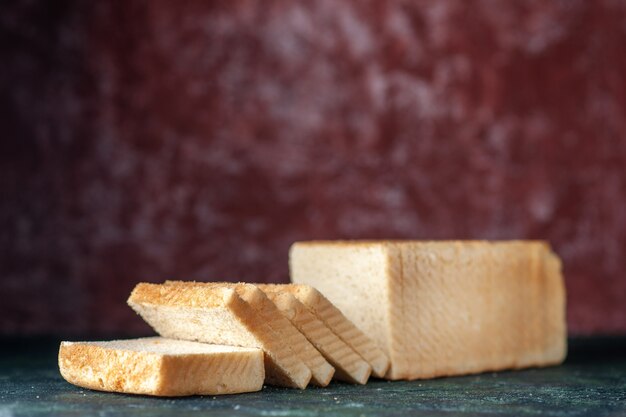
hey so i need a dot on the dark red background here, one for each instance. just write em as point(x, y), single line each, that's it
point(150, 140)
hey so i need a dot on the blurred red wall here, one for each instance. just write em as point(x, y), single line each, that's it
point(149, 140)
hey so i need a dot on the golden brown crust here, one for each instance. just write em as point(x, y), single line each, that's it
point(555, 340)
point(77, 359)
point(146, 293)
point(302, 291)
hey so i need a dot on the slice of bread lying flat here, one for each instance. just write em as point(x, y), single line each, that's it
point(442, 308)
point(218, 315)
point(334, 319)
point(321, 371)
point(349, 365)
point(163, 367)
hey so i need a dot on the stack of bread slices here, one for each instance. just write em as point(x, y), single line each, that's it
point(409, 310)
point(220, 338)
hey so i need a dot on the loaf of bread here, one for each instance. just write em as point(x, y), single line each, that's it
point(349, 365)
point(447, 307)
point(321, 371)
point(217, 314)
point(163, 367)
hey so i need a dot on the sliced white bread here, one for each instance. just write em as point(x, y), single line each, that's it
point(218, 315)
point(321, 371)
point(163, 367)
point(445, 307)
point(349, 365)
point(334, 319)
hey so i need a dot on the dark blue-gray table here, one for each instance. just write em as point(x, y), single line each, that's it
point(591, 383)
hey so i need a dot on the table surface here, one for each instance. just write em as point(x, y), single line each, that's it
point(592, 382)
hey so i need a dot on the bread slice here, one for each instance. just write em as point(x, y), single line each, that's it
point(164, 367)
point(334, 319)
point(349, 365)
point(446, 307)
point(321, 371)
point(218, 315)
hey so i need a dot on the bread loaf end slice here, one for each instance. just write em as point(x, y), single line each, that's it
point(161, 367)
